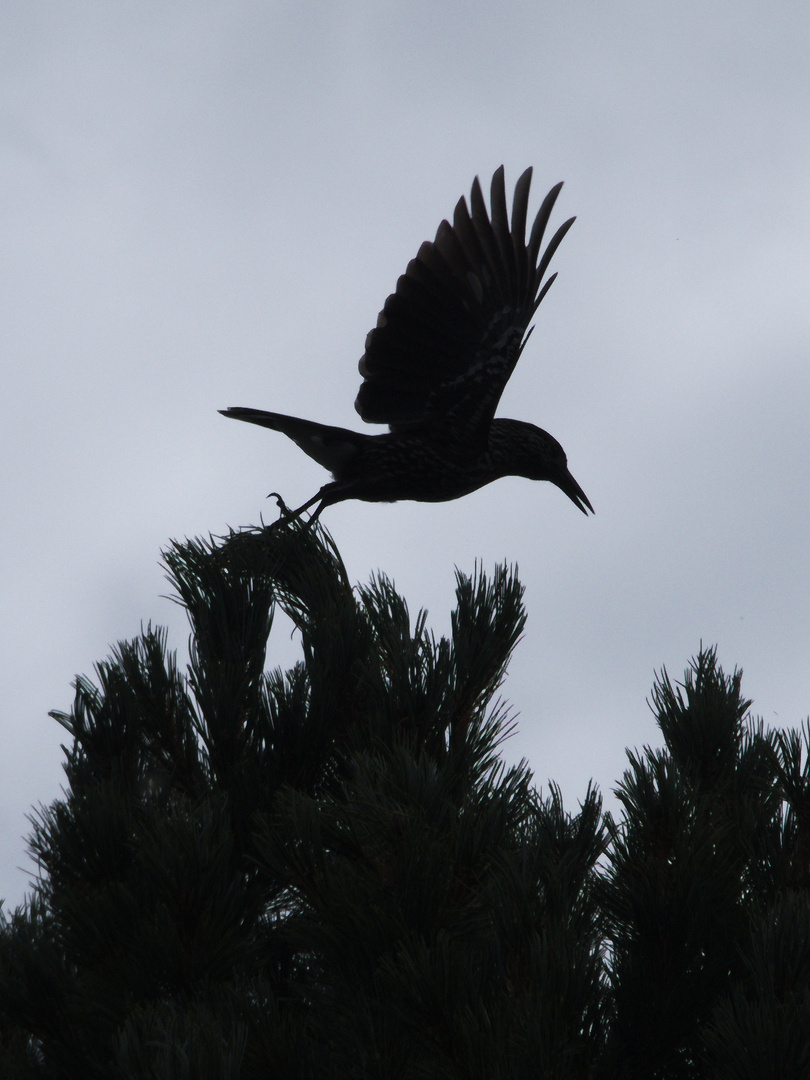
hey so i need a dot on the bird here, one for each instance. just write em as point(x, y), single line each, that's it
point(436, 363)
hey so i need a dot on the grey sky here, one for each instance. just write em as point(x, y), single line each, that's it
point(205, 204)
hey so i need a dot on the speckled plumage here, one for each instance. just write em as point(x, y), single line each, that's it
point(435, 366)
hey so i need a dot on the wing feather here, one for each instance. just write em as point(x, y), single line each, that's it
point(448, 338)
point(500, 230)
point(520, 209)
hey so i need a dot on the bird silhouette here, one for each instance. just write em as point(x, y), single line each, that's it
point(436, 364)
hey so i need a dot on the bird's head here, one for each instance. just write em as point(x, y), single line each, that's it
point(520, 449)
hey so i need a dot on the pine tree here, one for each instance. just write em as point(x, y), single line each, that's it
point(324, 872)
point(705, 895)
point(330, 872)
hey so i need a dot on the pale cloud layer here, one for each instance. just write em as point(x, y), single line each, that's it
point(206, 205)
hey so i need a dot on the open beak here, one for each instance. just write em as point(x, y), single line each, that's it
point(574, 492)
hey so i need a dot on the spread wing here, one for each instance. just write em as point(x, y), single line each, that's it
point(448, 339)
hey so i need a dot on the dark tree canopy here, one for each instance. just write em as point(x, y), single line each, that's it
point(330, 872)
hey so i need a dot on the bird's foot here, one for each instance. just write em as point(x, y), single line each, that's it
point(284, 510)
point(287, 516)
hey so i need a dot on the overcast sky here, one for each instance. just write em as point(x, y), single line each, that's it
point(205, 204)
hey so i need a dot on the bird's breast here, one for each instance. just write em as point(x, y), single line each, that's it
point(396, 466)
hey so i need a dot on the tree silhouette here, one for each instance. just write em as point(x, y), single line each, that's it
point(330, 872)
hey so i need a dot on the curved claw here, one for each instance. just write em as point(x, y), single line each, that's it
point(283, 508)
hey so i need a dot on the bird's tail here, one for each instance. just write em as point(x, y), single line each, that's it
point(332, 447)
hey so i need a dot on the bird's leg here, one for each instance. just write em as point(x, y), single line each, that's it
point(313, 517)
point(293, 515)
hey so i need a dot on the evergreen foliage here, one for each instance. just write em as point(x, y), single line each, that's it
point(330, 872)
